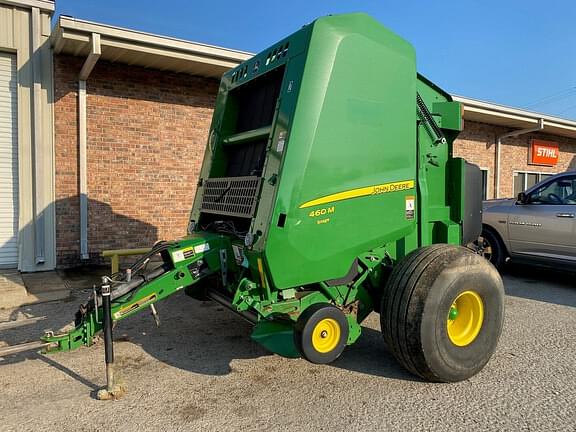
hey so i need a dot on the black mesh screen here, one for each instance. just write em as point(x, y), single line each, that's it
point(246, 159)
point(256, 100)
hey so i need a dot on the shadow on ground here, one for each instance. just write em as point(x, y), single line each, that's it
point(205, 338)
point(201, 337)
point(541, 284)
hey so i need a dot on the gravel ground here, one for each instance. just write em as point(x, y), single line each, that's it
point(200, 371)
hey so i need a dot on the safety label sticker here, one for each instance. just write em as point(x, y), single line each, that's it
point(281, 141)
point(177, 256)
point(409, 207)
point(188, 252)
point(238, 254)
point(201, 248)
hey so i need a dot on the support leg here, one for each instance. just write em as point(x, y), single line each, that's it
point(113, 390)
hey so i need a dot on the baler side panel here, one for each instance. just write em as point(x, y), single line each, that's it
point(354, 128)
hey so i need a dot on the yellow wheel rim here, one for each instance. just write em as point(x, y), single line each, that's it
point(326, 335)
point(465, 318)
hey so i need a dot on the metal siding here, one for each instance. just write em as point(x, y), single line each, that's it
point(8, 161)
point(6, 27)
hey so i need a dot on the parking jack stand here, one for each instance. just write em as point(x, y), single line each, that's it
point(114, 390)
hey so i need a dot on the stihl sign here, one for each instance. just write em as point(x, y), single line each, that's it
point(543, 153)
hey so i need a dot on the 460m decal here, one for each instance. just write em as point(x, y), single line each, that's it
point(362, 192)
point(322, 212)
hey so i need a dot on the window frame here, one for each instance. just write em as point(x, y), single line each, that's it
point(525, 188)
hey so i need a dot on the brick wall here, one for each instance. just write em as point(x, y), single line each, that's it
point(146, 136)
point(477, 144)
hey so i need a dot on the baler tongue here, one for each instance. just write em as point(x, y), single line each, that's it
point(121, 295)
point(23, 347)
point(27, 346)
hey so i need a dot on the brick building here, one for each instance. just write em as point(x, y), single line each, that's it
point(122, 121)
point(141, 118)
point(500, 140)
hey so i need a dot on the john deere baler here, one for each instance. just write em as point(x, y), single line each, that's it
point(328, 191)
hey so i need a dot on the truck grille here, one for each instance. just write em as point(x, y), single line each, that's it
point(231, 196)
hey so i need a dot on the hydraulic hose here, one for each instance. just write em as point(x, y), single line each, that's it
point(138, 280)
point(157, 248)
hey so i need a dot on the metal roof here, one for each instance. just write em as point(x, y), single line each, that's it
point(501, 115)
point(73, 36)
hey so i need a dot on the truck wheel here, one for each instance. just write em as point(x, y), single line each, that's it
point(442, 312)
point(493, 249)
point(321, 333)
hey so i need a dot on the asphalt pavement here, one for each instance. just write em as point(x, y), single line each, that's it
point(200, 371)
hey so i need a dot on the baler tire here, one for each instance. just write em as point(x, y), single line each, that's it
point(308, 322)
point(416, 312)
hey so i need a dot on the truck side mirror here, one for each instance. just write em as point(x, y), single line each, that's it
point(522, 198)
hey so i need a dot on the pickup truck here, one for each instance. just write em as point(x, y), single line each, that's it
point(538, 227)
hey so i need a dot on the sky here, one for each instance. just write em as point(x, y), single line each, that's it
point(511, 52)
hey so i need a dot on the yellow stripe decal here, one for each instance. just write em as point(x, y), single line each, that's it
point(362, 192)
point(131, 308)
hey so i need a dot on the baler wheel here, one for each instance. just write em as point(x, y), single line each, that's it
point(442, 312)
point(321, 333)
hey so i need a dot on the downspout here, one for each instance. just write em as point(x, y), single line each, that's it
point(37, 130)
point(89, 63)
point(498, 145)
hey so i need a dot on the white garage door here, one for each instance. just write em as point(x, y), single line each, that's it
point(8, 162)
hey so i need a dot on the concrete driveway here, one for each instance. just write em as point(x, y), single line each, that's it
point(200, 371)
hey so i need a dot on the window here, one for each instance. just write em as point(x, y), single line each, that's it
point(484, 172)
point(524, 180)
point(561, 191)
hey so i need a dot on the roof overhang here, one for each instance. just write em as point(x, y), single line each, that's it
point(43, 5)
point(73, 36)
point(494, 114)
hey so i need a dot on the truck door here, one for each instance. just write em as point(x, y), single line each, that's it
point(545, 225)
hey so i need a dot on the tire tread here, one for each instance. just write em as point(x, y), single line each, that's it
point(400, 321)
